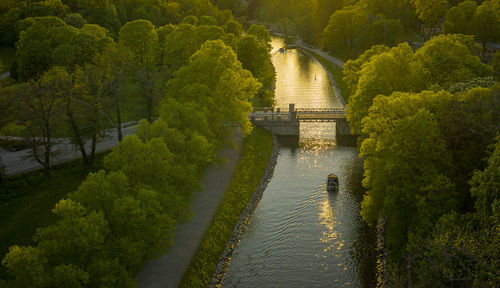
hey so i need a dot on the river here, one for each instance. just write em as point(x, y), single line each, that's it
point(300, 235)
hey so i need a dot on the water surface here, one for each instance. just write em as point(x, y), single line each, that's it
point(301, 235)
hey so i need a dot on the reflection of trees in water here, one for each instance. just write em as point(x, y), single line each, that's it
point(365, 244)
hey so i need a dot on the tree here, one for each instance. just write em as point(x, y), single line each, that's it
point(233, 26)
point(458, 19)
point(27, 266)
point(140, 224)
point(383, 74)
point(215, 79)
point(344, 28)
point(431, 11)
point(41, 103)
point(447, 59)
point(113, 67)
point(386, 31)
point(141, 39)
point(37, 45)
point(496, 64)
point(84, 107)
point(74, 19)
point(486, 22)
point(442, 61)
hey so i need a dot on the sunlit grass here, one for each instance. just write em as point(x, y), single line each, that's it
point(26, 201)
point(256, 152)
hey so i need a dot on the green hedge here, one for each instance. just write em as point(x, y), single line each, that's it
point(257, 150)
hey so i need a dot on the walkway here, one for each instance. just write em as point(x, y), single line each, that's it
point(5, 74)
point(19, 162)
point(167, 270)
point(322, 53)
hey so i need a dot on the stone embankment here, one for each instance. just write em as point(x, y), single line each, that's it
point(245, 218)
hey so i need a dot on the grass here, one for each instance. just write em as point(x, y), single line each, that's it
point(256, 152)
point(26, 201)
point(7, 56)
point(337, 74)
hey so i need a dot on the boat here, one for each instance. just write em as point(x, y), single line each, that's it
point(332, 183)
point(282, 50)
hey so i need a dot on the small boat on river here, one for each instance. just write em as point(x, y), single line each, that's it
point(282, 50)
point(332, 183)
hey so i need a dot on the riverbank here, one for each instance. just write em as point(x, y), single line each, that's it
point(244, 218)
point(254, 162)
point(334, 72)
point(167, 270)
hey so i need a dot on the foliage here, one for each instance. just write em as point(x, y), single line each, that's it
point(496, 64)
point(255, 156)
point(35, 195)
point(442, 61)
point(462, 87)
point(215, 79)
point(463, 250)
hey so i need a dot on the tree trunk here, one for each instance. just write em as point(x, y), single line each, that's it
point(46, 164)
point(408, 269)
point(78, 137)
point(118, 118)
point(92, 151)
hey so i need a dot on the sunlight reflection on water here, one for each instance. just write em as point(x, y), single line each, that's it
point(301, 235)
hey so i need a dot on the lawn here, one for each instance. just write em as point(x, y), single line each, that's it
point(26, 201)
point(7, 56)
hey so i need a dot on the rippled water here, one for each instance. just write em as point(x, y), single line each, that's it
point(301, 235)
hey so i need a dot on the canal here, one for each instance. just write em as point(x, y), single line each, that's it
point(300, 235)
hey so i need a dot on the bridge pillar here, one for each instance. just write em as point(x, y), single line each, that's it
point(343, 133)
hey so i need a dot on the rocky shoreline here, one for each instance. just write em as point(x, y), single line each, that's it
point(242, 224)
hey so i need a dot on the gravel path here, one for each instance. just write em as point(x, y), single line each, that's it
point(167, 270)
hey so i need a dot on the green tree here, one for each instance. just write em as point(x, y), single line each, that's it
point(496, 64)
point(74, 19)
point(215, 79)
point(431, 11)
point(386, 31)
point(37, 45)
point(458, 19)
point(486, 22)
point(383, 74)
point(233, 26)
point(140, 37)
point(344, 28)
point(447, 59)
point(27, 266)
point(41, 102)
point(112, 68)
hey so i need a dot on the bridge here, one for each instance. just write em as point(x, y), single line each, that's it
point(286, 122)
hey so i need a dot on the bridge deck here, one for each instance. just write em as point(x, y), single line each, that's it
point(301, 114)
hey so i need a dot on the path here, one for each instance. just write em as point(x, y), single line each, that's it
point(168, 269)
point(3, 75)
point(322, 53)
point(19, 162)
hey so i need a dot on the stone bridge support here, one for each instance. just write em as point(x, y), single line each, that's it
point(343, 133)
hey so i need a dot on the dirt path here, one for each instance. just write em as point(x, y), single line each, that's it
point(167, 270)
